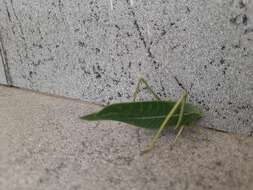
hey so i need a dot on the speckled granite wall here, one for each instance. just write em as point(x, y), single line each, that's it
point(95, 50)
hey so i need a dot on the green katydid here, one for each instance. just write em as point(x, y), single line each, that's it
point(156, 114)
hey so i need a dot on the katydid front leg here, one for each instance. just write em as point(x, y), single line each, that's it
point(137, 90)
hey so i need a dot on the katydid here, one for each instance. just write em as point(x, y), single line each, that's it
point(156, 114)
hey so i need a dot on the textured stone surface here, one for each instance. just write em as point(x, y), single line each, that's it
point(44, 145)
point(95, 51)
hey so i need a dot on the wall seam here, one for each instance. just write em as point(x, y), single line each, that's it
point(4, 58)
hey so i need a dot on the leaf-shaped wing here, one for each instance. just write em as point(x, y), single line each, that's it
point(149, 114)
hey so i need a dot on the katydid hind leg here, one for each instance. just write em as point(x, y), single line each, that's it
point(180, 119)
point(178, 134)
point(166, 120)
point(181, 114)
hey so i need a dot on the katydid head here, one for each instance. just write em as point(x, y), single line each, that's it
point(191, 114)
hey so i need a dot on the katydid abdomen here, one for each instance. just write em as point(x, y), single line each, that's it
point(148, 114)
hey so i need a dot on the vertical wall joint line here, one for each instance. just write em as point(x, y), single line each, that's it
point(3, 56)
